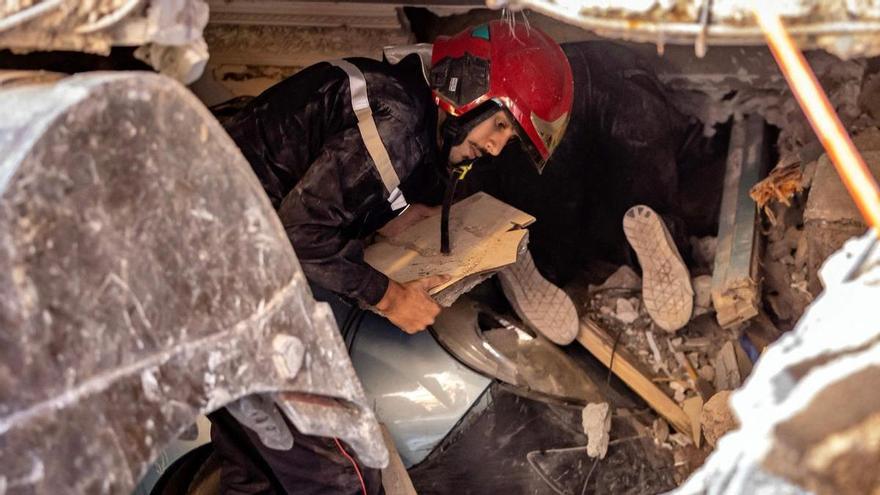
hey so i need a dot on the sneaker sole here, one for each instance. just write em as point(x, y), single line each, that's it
point(666, 282)
point(543, 306)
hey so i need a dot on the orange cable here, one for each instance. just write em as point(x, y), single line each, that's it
point(353, 463)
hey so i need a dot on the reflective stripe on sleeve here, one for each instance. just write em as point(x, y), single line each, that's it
point(367, 127)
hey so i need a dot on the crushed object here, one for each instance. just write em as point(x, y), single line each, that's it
point(717, 418)
point(678, 391)
point(658, 358)
point(596, 418)
point(703, 388)
point(681, 439)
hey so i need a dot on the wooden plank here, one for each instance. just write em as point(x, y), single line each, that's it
point(627, 368)
point(485, 235)
point(395, 478)
point(735, 290)
point(693, 407)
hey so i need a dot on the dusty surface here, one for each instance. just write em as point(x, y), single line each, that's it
point(144, 278)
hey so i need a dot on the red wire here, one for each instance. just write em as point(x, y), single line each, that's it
point(353, 463)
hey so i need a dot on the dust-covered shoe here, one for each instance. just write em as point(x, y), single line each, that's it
point(540, 304)
point(666, 283)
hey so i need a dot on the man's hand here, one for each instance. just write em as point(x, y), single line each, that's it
point(409, 306)
point(415, 213)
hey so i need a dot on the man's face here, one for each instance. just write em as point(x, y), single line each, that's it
point(488, 137)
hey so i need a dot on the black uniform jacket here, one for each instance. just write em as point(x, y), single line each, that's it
point(302, 139)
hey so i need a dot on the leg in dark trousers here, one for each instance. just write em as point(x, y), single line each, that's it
point(313, 466)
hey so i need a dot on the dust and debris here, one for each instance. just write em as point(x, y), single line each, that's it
point(684, 365)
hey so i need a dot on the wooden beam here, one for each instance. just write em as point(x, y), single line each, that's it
point(627, 368)
point(395, 478)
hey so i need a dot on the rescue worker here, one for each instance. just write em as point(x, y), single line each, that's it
point(347, 147)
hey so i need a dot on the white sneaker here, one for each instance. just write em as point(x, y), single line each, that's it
point(540, 304)
point(666, 283)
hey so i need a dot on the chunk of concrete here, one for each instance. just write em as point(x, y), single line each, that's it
point(717, 418)
point(596, 419)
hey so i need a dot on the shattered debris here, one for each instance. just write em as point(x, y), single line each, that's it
point(783, 182)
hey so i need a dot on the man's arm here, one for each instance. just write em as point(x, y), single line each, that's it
point(338, 186)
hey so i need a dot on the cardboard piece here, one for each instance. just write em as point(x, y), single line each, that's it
point(485, 235)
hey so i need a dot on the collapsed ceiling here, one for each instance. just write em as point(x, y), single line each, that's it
point(846, 28)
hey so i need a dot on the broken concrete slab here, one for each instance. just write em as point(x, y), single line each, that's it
point(829, 199)
point(145, 279)
point(831, 217)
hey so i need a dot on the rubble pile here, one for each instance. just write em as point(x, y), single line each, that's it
point(690, 365)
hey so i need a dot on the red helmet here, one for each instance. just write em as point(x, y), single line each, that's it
point(518, 67)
